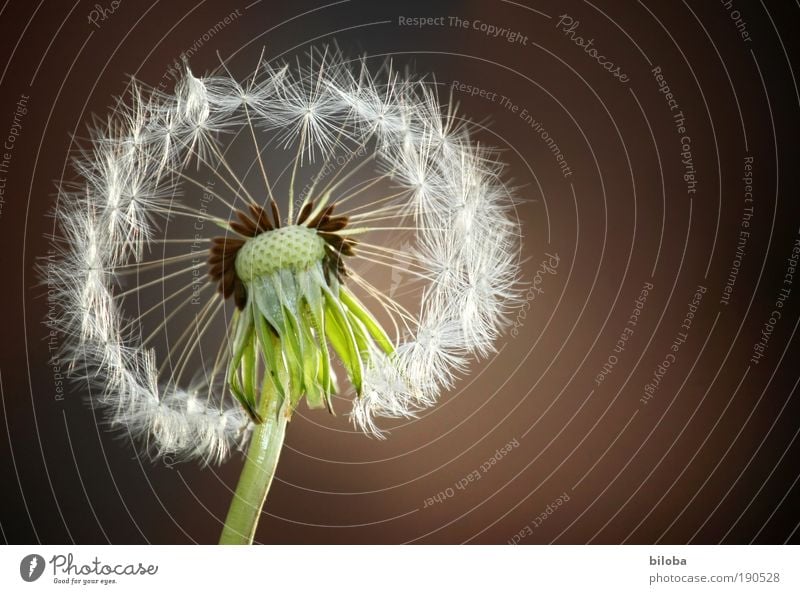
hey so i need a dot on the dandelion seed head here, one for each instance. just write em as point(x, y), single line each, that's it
point(273, 270)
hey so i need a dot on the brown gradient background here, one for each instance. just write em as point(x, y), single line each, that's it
point(712, 458)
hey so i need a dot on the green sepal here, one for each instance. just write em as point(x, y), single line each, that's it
point(292, 337)
point(311, 362)
point(370, 323)
point(270, 353)
point(243, 337)
point(306, 347)
point(359, 333)
point(269, 297)
point(315, 310)
point(249, 369)
point(268, 301)
point(339, 332)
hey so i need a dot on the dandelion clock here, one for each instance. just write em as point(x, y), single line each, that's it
point(213, 247)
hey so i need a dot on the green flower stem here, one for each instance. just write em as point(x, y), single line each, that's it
point(259, 469)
